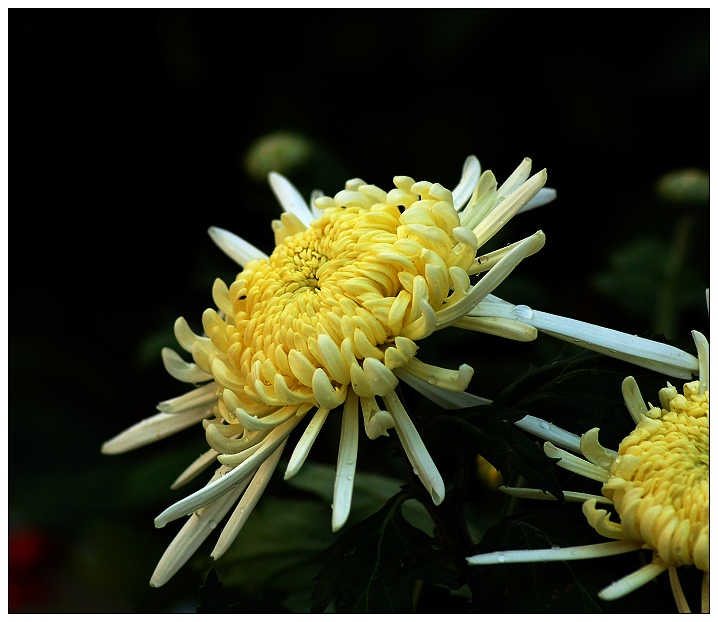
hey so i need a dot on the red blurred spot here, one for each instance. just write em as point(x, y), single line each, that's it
point(29, 550)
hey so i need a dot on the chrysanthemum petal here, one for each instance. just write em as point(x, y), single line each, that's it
point(568, 495)
point(201, 396)
point(469, 178)
point(194, 469)
point(180, 369)
point(216, 489)
point(234, 247)
point(490, 281)
point(346, 462)
point(248, 502)
point(503, 212)
point(652, 355)
point(153, 429)
point(574, 464)
point(571, 553)
point(192, 534)
point(550, 432)
point(544, 196)
point(289, 198)
point(450, 400)
point(415, 449)
point(631, 582)
point(499, 327)
point(299, 455)
point(703, 359)
point(633, 399)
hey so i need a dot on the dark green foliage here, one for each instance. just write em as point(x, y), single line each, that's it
point(373, 567)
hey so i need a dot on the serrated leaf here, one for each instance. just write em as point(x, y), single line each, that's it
point(372, 567)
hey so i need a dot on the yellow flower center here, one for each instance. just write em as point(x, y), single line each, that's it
point(659, 482)
point(338, 303)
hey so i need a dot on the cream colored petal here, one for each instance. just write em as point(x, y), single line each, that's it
point(499, 327)
point(153, 429)
point(236, 248)
point(201, 396)
point(346, 462)
point(631, 582)
point(576, 465)
point(415, 449)
point(193, 534)
point(194, 469)
point(633, 399)
point(216, 489)
point(703, 353)
point(180, 369)
point(249, 501)
point(550, 432)
point(544, 196)
point(446, 399)
point(571, 553)
point(503, 212)
point(289, 198)
point(652, 355)
point(299, 455)
point(568, 495)
point(678, 595)
point(490, 281)
point(469, 178)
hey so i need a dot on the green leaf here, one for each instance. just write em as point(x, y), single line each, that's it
point(372, 568)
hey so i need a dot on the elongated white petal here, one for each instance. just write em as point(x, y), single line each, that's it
point(652, 355)
point(192, 534)
point(194, 469)
point(703, 354)
point(576, 465)
point(201, 396)
point(346, 462)
point(571, 553)
point(289, 198)
point(633, 399)
point(568, 495)
point(491, 280)
point(180, 369)
point(299, 455)
point(316, 213)
point(678, 595)
point(216, 489)
point(415, 449)
point(631, 582)
point(499, 327)
point(153, 429)
point(550, 432)
point(450, 400)
point(545, 195)
point(236, 248)
point(503, 212)
point(249, 501)
point(469, 178)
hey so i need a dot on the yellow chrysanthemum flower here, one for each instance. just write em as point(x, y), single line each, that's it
point(657, 482)
point(331, 319)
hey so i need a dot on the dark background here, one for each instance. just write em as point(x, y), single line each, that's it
point(130, 129)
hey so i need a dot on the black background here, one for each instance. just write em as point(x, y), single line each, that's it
point(129, 128)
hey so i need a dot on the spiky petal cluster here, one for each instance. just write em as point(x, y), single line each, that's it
point(657, 481)
point(331, 319)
